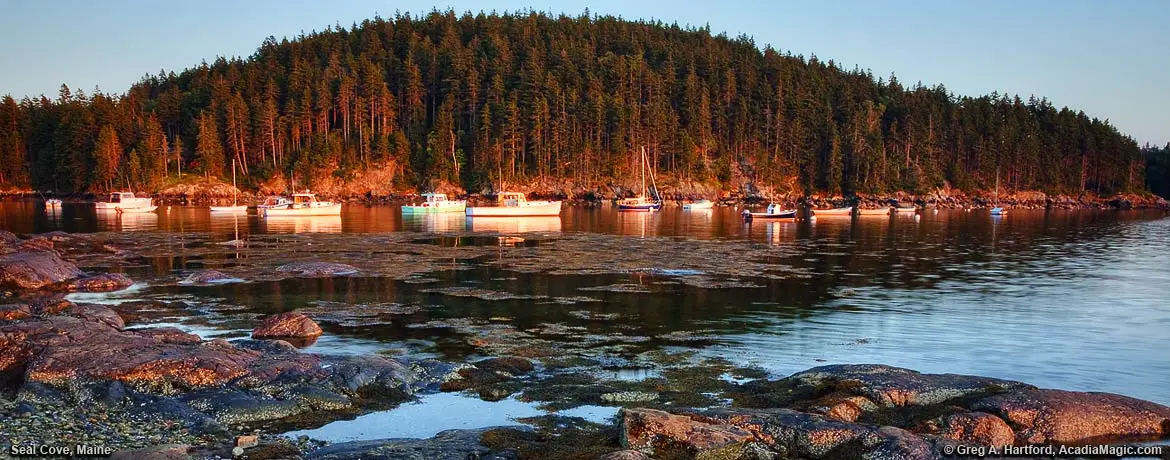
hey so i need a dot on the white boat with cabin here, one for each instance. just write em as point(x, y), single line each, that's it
point(126, 202)
point(436, 202)
point(514, 204)
point(698, 205)
point(303, 204)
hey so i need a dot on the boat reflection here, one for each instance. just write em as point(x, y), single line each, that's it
point(780, 231)
point(516, 224)
point(111, 221)
point(636, 223)
point(302, 224)
point(435, 222)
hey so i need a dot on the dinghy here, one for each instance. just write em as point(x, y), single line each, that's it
point(436, 202)
point(873, 212)
point(514, 204)
point(774, 212)
point(846, 211)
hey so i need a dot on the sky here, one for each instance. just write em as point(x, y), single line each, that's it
point(1109, 59)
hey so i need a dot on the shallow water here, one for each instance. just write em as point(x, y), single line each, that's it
point(1075, 300)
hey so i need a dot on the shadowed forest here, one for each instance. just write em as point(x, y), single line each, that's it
point(477, 101)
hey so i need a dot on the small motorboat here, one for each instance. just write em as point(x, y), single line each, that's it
point(846, 211)
point(304, 204)
point(697, 205)
point(873, 212)
point(998, 211)
point(514, 204)
point(126, 202)
point(774, 212)
point(52, 203)
point(436, 202)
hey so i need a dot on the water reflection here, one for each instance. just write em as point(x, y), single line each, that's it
point(112, 221)
point(435, 222)
point(515, 224)
point(302, 224)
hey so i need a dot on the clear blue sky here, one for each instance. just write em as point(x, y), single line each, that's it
point(1110, 59)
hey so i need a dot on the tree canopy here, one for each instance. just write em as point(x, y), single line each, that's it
point(482, 99)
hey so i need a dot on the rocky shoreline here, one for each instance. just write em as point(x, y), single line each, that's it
point(87, 373)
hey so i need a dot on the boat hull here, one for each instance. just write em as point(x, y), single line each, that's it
point(327, 210)
point(229, 209)
point(530, 209)
point(646, 207)
point(905, 210)
point(138, 210)
point(833, 212)
point(873, 212)
point(789, 215)
point(698, 205)
point(424, 208)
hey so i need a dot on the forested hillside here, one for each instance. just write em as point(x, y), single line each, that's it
point(477, 100)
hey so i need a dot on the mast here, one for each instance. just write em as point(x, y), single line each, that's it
point(643, 167)
point(235, 191)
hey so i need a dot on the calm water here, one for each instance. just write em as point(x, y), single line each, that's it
point(1076, 300)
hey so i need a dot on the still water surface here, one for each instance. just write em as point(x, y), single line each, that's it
point(1077, 300)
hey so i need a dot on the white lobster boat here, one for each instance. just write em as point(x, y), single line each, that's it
point(436, 202)
point(303, 204)
point(126, 202)
point(514, 204)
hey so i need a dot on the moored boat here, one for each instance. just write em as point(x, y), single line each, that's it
point(846, 211)
point(126, 202)
point(997, 211)
point(641, 203)
point(436, 202)
point(873, 212)
point(697, 205)
point(905, 209)
point(514, 204)
point(52, 203)
point(235, 208)
point(303, 204)
point(774, 211)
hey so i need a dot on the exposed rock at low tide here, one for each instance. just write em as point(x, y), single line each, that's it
point(35, 269)
point(208, 276)
point(101, 283)
point(447, 445)
point(286, 325)
point(317, 269)
point(1056, 416)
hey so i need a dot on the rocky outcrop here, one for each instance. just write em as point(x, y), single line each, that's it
point(286, 325)
point(972, 428)
point(624, 455)
point(13, 312)
point(1055, 416)
point(317, 269)
point(104, 282)
point(25, 269)
point(652, 430)
point(208, 276)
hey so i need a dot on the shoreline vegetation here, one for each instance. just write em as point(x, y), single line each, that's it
point(479, 102)
point(108, 374)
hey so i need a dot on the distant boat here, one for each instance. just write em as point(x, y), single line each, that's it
point(436, 202)
point(234, 208)
point(697, 205)
point(901, 209)
point(846, 211)
point(641, 203)
point(303, 204)
point(774, 212)
point(997, 211)
point(873, 212)
point(126, 202)
point(52, 203)
point(514, 204)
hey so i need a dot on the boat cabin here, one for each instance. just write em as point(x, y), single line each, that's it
point(304, 198)
point(435, 197)
point(775, 209)
point(510, 199)
point(120, 197)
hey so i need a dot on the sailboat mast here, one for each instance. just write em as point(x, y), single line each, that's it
point(235, 191)
point(643, 167)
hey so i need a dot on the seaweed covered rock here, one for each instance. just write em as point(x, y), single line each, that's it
point(287, 325)
point(653, 429)
point(104, 282)
point(447, 445)
point(208, 276)
point(1056, 416)
point(317, 269)
point(972, 428)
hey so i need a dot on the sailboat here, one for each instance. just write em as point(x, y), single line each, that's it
point(642, 203)
point(235, 207)
point(997, 211)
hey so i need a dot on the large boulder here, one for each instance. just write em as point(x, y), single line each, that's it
point(895, 386)
point(286, 325)
point(1056, 416)
point(14, 312)
point(104, 282)
point(208, 276)
point(35, 269)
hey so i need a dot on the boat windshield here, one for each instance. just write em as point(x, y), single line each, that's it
point(436, 197)
point(302, 199)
